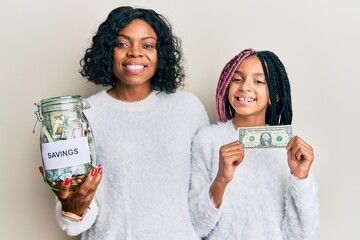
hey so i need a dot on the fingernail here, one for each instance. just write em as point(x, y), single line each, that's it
point(67, 181)
point(93, 171)
point(100, 168)
point(41, 169)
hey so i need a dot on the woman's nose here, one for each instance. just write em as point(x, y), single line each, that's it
point(135, 51)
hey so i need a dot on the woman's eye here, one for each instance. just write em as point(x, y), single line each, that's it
point(121, 44)
point(148, 46)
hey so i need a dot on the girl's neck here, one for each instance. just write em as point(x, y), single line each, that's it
point(129, 94)
point(240, 121)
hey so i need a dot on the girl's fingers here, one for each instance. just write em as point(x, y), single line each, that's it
point(230, 147)
point(299, 140)
point(303, 153)
point(298, 147)
point(236, 153)
point(296, 140)
point(237, 162)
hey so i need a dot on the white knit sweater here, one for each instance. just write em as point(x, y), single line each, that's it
point(263, 201)
point(144, 148)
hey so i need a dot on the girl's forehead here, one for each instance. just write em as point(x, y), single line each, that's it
point(250, 60)
point(251, 63)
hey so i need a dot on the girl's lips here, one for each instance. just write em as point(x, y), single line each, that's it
point(245, 99)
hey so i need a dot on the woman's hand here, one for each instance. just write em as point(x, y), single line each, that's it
point(300, 157)
point(77, 201)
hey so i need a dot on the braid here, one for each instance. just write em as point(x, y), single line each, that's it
point(268, 67)
point(224, 111)
point(280, 111)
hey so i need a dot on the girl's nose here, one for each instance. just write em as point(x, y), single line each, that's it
point(245, 86)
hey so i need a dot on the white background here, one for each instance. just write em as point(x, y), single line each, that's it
point(41, 43)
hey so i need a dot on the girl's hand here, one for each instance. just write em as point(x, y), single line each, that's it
point(77, 201)
point(300, 157)
point(230, 156)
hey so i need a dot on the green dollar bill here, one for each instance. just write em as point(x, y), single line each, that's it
point(265, 137)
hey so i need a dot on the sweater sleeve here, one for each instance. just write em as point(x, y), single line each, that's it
point(301, 209)
point(75, 228)
point(198, 112)
point(204, 214)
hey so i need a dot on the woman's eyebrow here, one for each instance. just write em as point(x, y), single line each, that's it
point(144, 38)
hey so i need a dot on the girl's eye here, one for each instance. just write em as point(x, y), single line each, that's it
point(239, 80)
point(259, 82)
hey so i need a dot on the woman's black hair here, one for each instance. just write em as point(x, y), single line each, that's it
point(97, 64)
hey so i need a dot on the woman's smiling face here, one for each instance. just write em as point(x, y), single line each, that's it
point(135, 56)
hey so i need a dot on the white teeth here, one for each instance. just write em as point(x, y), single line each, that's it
point(135, 66)
point(246, 99)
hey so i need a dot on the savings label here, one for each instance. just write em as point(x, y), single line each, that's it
point(65, 153)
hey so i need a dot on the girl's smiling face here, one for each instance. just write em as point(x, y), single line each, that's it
point(135, 57)
point(248, 93)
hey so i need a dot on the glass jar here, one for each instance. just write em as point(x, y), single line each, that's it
point(66, 140)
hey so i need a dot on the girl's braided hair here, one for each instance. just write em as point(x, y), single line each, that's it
point(279, 112)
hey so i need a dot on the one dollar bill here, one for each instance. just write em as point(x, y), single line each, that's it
point(265, 137)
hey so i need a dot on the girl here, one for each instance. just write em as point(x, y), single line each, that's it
point(238, 193)
point(142, 132)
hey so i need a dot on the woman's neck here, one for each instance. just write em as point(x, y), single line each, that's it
point(130, 94)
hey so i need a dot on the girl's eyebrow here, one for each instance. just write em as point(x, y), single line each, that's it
point(144, 38)
point(258, 74)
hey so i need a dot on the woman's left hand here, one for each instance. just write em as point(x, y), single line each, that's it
point(300, 157)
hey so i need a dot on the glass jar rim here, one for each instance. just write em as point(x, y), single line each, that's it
point(60, 98)
point(59, 104)
point(63, 103)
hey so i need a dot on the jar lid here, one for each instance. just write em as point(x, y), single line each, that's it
point(63, 103)
point(60, 103)
point(67, 98)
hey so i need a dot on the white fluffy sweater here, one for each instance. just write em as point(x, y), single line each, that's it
point(263, 201)
point(144, 148)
